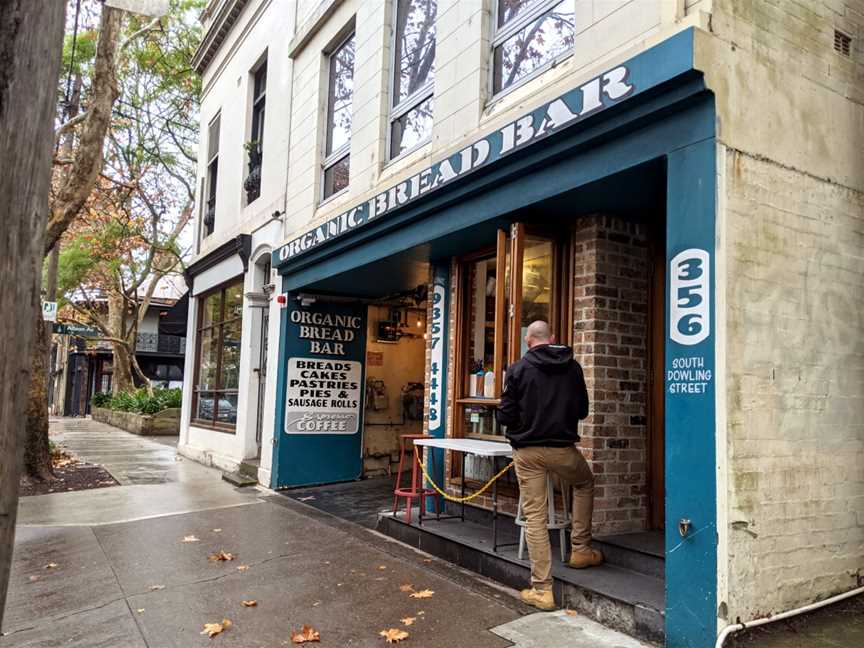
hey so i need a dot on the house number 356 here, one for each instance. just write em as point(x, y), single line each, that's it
point(689, 317)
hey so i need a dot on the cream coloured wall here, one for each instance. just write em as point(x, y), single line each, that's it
point(790, 121)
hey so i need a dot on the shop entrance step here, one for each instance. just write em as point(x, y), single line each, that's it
point(249, 468)
point(640, 552)
point(239, 479)
point(625, 599)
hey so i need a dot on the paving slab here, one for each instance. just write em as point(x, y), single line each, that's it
point(562, 630)
point(81, 580)
point(110, 626)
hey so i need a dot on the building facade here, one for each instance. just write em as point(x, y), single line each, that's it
point(676, 186)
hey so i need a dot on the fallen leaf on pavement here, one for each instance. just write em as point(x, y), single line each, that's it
point(408, 620)
point(382, 567)
point(241, 567)
point(407, 587)
point(221, 555)
point(307, 633)
point(33, 579)
point(251, 603)
point(570, 612)
point(422, 594)
point(394, 635)
point(213, 629)
point(217, 530)
point(51, 565)
point(140, 610)
point(190, 538)
point(316, 604)
point(156, 588)
point(421, 613)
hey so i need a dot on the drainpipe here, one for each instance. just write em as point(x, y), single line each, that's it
point(728, 630)
point(290, 131)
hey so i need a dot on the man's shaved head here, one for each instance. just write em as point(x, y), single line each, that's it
point(538, 333)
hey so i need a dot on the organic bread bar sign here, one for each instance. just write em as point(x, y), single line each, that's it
point(324, 378)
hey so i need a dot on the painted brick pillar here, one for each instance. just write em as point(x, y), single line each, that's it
point(610, 340)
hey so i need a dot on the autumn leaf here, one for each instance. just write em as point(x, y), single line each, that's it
point(190, 538)
point(241, 567)
point(570, 612)
point(307, 634)
point(394, 635)
point(51, 565)
point(213, 629)
point(382, 567)
point(221, 556)
point(422, 594)
point(408, 621)
point(217, 530)
point(407, 587)
point(251, 603)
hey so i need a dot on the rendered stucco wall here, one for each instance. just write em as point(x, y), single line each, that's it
point(790, 233)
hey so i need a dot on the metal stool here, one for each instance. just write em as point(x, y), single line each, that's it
point(416, 491)
point(554, 519)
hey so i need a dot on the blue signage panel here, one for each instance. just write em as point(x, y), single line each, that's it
point(321, 378)
point(691, 476)
point(438, 328)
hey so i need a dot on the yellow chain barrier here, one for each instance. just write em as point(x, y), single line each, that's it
point(467, 498)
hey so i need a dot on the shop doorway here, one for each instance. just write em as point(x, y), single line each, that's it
point(656, 379)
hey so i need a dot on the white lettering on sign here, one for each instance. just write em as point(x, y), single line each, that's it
point(436, 372)
point(322, 396)
point(688, 376)
point(689, 316)
point(597, 94)
point(327, 334)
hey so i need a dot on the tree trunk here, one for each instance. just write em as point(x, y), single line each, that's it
point(37, 453)
point(31, 40)
point(121, 380)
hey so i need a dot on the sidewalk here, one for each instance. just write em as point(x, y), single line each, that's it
point(111, 568)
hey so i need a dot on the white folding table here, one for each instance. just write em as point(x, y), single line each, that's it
point(477, 447)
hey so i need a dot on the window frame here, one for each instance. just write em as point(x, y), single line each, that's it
point(258, 114)
point(505, 32)
point(412, 101)
point(211, 172)
point(214, 423)
point(509, 242)
point(331, 159)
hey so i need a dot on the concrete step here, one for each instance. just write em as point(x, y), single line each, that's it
point(639, 552)
point(249, 468)
point(627, 600)
point(239, 479)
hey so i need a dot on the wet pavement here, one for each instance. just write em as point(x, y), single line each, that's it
point(129, 566)
point(155, 480)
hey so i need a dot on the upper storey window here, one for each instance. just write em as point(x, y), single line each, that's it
point(337, 160)
point(529, 35)
point(212, 175)
point(255, 146)
point(413, 74)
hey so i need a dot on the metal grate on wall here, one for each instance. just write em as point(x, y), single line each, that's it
point(842, 43)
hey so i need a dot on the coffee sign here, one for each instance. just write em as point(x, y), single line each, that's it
point(324, 377)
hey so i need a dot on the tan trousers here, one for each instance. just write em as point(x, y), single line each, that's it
point(531, 465)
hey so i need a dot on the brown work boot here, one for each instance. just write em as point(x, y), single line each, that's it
point(585, 558)
point(540, 599)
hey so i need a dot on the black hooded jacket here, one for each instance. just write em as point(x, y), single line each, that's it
point(544, 398)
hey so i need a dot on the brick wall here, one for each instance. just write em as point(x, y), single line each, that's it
point(610, 304)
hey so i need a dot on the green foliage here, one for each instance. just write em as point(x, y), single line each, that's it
point(100, 399)
point(141, 402)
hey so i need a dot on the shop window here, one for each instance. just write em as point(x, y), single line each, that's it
point(255, 145)
point(524, 277)
point(209, 220)
point(217, 367)
point(529, 36)
point(337, 159)
point(413, 75)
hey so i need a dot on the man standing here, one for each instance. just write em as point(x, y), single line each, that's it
point(543, 401)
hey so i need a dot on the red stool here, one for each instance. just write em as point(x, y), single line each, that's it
point(416, 490)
